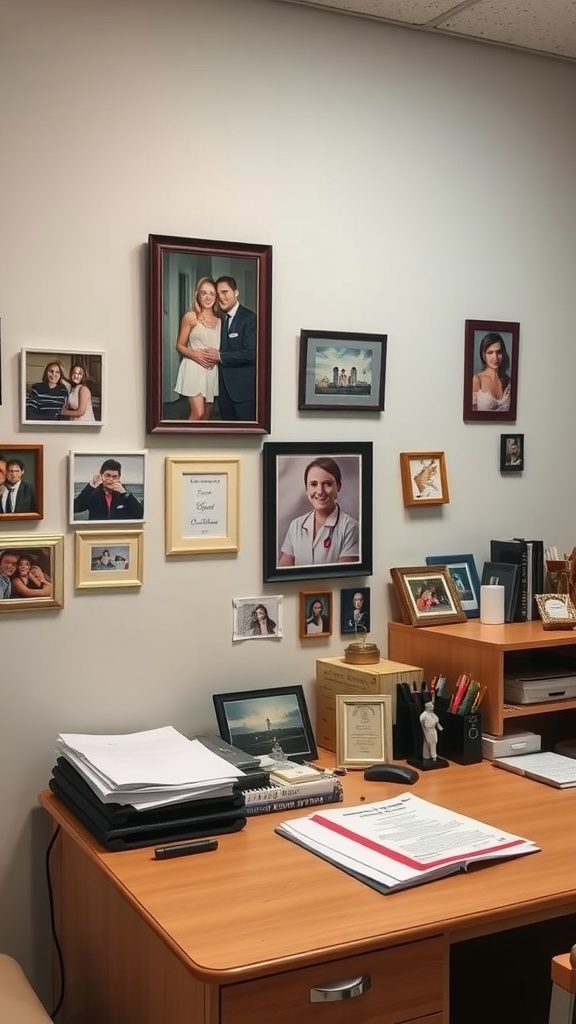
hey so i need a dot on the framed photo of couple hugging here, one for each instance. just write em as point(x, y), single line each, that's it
point(209, 336)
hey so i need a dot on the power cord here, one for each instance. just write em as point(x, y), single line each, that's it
point(55, 939)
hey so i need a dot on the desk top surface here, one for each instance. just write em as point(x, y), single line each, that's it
point(260, 903)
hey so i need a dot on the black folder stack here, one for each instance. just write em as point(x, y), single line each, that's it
point(147, 788)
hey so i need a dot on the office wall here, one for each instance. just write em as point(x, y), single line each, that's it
point(405, 184)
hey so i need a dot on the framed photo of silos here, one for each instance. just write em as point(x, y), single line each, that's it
point(21, 482)
point(342, 371)
point(107, 487)
point(62, 388)
point(209, 338)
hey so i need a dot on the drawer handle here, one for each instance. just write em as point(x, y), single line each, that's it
point(349, 988)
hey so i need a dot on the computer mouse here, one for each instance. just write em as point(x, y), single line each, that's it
point(391, 773)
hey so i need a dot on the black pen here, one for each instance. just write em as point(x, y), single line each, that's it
point(185, 849)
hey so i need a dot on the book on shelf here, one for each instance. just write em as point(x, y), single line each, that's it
point(402, 842)
point(528, 555)
point(543, 766)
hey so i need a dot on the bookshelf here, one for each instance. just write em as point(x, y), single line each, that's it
point(482, 651)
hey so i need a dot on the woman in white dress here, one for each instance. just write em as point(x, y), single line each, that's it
point(491, 387)
point(79, 404)
point(199, 330)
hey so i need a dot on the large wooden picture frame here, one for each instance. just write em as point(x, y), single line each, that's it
point(427, 595)
point(202, 497)
point(31, 573)
point(231, 389)
point(491, 371)
point(342, 371)
point(21, 467)
point(293, 548)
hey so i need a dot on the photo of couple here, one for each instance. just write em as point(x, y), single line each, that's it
point(62, 388)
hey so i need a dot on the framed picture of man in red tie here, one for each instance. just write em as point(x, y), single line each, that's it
point(209, 338)
point(21, 482)
point(107, 488)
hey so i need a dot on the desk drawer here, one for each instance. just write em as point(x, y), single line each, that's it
point(405, 985)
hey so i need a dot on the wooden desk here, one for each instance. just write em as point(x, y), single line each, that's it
point(240, 936)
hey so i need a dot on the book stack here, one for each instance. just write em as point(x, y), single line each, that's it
point(528, 555)
point(292, 786)
point(146, 788)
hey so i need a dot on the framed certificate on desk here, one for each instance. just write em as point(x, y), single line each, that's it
point(363, 729)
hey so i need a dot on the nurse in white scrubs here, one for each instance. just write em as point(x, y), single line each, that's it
point(327, 533)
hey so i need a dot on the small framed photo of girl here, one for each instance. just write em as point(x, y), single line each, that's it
point(62, 388)
point(491, 371)
point(315, 614)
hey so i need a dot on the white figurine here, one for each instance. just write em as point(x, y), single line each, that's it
point(430, 724)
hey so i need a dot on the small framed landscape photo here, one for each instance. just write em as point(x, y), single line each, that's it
point(258, 618)
point(315, 614)
point(109, 559)
point(503, 574)
point(21, 482)
point(31, 573)
point(556, 611)
point(209, 341)
point(107, 487)
point(462, 569)
point(62, 388)
point(257, 721)
point(511, 453)
point(427, 595)
point(355, 610)
point(342, 372)
point(491, 371)
point(201, 505)
point(424, 480)
point(317, 510)
point(363, 729)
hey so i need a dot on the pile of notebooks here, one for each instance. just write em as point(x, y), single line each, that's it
point(146, 788)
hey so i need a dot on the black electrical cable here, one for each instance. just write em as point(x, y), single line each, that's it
point(56, 941)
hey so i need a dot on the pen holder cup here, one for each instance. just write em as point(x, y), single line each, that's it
point(461, 737)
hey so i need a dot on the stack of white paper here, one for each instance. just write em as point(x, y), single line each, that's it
point(148, 769)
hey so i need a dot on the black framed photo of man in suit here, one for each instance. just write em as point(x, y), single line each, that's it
point(209, 336)
point(21, 482)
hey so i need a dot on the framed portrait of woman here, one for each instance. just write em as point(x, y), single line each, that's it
point(491, 371)
point(209, 339)
point(317, 510)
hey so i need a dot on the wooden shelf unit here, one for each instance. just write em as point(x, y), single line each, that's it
point(481, 651)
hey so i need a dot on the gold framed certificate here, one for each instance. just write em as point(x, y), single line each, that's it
point(363, 729)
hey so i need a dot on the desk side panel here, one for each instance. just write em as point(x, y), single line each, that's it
point(117, 968)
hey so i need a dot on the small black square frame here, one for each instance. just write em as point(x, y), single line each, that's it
point(256, 720)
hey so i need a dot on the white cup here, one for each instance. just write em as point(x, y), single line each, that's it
point(492, 604)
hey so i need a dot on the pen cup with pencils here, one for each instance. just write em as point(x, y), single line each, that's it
point(462, 733)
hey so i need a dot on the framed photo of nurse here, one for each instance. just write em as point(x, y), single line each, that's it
point(317, 510)
point(209, 339)
point(491, 371)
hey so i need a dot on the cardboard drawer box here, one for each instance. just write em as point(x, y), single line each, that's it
point(335, 676)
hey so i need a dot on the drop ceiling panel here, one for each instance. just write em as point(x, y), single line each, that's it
point(532, 24)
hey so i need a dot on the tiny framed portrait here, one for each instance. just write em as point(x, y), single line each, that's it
point(315, 614)
point(491, 371)
point(342, 372)
point(21, 482)
point(427, 595)
point(201, 505)
point(363, 729)
point(31, 573)
point(317, 510)
point(511, 453)
point(462, 569)
point(258, 618)
point(109, 559)
point(424, 480)
point(209, 338)
point(62, 388)
point(557, 611)
point(262, 721)
point(107, 488)
point(503, 574)
point(355, 610)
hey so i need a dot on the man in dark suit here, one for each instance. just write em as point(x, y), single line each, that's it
point(105, 496)
point(236, 357)
point(17, 495)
